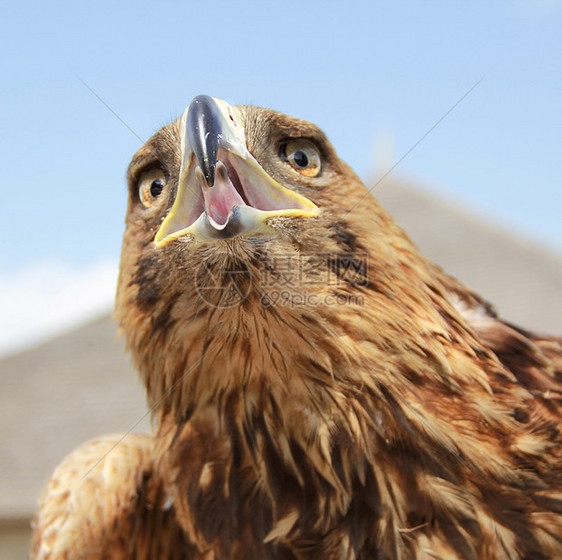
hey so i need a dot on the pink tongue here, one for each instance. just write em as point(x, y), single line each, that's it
point(221, 197)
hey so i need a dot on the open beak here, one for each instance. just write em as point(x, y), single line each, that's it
point(223, 191)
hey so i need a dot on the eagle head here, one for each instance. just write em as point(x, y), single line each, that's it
point(244, 231)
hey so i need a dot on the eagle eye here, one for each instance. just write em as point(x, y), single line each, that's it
point(302, 155)
point(151, 186)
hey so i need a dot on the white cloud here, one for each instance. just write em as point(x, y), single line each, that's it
point(50, 297)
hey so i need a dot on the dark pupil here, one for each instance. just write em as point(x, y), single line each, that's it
point(156, 187)
point(300, 158)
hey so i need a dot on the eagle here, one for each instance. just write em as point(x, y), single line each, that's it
point(319, 389)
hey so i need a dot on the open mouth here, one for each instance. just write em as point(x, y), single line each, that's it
point(223, 196)
point(223, 191)
point(234, 188)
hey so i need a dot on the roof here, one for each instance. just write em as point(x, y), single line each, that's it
point(79, 385)
point(520, 277)
point(56, 396)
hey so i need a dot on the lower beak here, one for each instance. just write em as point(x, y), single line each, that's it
point(223, 191)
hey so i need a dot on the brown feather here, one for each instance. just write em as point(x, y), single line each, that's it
point(382, 410)
point(104, 501)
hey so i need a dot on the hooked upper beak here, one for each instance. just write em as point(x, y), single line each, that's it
point(222, 190)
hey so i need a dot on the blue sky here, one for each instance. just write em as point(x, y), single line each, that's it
point(361, 70)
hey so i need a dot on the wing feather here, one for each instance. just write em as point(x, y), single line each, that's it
point(105, 501)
